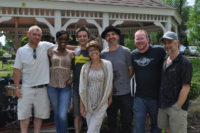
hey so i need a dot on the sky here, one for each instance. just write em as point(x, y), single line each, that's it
point(2, 38)
point(190, 2)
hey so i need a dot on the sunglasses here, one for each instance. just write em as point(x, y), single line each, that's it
point(34, 54)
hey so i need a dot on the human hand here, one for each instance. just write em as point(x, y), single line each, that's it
point(109, 101)
point(82, 111)
point(69, 82)
point(18, 92)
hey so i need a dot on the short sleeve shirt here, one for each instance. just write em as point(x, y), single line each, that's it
point(121, 60)
point(34, 71)
point(60, 67)
point(173, 78)
point(81, 57)
point(147, 68)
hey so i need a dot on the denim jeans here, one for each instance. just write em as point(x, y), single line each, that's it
point(141, 107)
point(60, 100)
point(122, 103)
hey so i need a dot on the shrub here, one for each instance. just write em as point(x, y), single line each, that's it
point(195, 90)
point(195, 85)
point(2, 52)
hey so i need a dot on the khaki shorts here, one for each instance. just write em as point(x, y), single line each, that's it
point(173, 118)
point(36, 99)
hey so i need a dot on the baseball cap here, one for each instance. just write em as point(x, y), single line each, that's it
point(169, 35)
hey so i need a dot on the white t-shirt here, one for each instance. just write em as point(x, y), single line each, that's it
point(34, 71)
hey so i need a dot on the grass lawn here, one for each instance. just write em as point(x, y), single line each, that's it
point(6, 69)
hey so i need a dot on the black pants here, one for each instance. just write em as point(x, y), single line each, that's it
point(123, 103)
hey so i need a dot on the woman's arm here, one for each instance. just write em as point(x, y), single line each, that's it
point(82, 109)
point(110, 99)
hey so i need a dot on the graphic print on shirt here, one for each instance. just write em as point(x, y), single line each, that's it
point(143, 61)
point(81, 59)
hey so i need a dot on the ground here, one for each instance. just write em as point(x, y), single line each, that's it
point(194, 116)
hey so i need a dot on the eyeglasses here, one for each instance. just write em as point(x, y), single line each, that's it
point(34, 54)
point(63, 39)
point(92, 50)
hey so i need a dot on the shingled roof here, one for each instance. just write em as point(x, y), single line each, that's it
point(133, 3)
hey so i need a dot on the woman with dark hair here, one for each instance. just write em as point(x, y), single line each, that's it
point(59, 88)
point(95, 88)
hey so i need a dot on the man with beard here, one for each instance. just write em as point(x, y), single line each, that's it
point(147, 62)
point(175, 87)
point(120, 58)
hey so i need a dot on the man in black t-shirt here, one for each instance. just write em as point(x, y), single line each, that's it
point(81, 57)
point(175, 87)
point(147, 63)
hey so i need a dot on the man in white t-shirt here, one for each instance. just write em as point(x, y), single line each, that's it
point(32, 63)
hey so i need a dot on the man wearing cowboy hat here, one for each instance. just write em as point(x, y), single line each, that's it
point(120, 57)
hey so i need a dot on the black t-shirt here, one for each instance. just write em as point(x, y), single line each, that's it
point(81, 57)
point(147, 68)
point(173, 78)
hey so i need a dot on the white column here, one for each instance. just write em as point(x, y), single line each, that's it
point(105, 23)
point(51, 28)
point(168, 25)
point(57, 22)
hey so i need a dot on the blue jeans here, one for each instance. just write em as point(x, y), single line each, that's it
point(60, 100)
point(141, 107)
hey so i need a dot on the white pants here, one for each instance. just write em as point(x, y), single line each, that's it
point(95, 120)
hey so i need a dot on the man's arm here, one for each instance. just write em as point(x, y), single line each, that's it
point(71, 47)
point(16, 75)
point(131, 72)
point(183, 94)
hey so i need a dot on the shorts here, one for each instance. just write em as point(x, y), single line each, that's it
point(76, 102)
point(173, 118)
point(35, 99)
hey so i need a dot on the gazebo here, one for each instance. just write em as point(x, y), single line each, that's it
point(16, 16)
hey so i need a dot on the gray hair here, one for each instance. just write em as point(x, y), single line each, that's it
point(34, 27)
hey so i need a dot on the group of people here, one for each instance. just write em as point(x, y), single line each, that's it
point(100, 82)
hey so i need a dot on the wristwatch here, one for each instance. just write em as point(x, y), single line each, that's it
point(17, 87)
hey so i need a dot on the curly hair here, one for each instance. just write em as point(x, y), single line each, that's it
point(93, 44)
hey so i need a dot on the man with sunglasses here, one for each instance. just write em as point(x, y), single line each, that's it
point(175, 87)
point(32, 62)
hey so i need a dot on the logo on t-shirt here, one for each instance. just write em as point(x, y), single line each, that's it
point(143, 61)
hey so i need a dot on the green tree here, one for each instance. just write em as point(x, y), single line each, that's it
point(24, 41)
point(9, 46)
point(183, 9)
point(194, 25)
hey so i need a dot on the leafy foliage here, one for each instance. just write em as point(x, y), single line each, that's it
point(184, 10)
point(24, 41)
point(8, 45)
point(194, 25)
point(195, 86)
point(129, 42)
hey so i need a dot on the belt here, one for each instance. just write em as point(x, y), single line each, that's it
point(39, 86)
